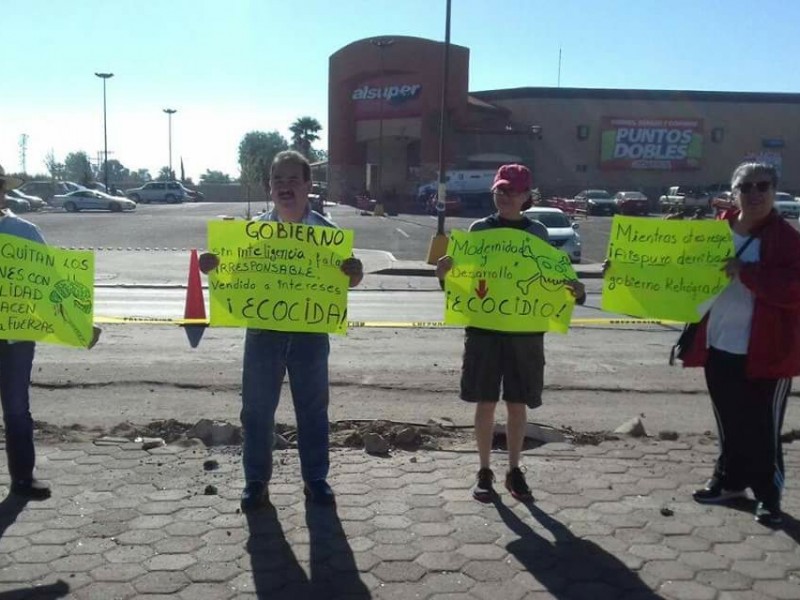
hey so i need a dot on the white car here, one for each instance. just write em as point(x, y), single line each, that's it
point(786, 205)
point(563, 233)
point(92, 200)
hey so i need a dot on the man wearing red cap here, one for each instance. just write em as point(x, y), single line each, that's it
point(492, 357)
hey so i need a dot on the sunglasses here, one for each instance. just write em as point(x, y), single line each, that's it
point(747, 186)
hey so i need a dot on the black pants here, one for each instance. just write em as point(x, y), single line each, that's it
point(16, 361)
point(749, 415)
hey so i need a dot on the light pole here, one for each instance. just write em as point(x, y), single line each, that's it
point(380, 44)
point(438, 246)
point(170, 112)
point(104, 77)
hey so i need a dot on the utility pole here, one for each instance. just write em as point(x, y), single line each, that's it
point(105, 77)
point(23, 152)
point(170, 112)
point(438, 246)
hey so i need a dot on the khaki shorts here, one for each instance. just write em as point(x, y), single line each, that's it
point(516, 361)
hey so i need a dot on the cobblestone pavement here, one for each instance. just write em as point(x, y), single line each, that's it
point(609, 521)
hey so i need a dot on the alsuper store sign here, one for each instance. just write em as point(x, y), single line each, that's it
point(388, 99)
point(651, 144)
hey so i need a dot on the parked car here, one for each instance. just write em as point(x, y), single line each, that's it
point(787, 205)
point(172, 192)
point(92, 200)
point(47, 189)
point(595, 202)
point(452, 206)
point(17, 205)
point(34, 202)
point(684, 198)
point(317, 203)
point(632, 203)
point(563, 232)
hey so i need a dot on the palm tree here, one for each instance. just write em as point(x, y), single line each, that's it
point(304, 132)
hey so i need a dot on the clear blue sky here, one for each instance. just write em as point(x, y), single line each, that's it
point(241, 65)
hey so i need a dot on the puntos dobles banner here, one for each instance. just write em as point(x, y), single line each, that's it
point(651, 144)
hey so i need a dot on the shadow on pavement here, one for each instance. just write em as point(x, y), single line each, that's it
point(790, 525)
point(570, 566)
point(278, 574)
point(10, 508)
point(59, 589)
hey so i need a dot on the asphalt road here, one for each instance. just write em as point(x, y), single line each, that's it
point(178, 226)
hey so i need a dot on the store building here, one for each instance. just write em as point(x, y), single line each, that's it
point(385, 102)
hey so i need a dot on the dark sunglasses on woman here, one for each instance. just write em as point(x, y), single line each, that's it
point(747, 186)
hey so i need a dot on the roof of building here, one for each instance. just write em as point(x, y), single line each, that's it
point(621, 94)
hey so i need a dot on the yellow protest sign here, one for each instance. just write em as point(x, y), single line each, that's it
point(279, 276)
point(665, 269)
point(507, 280)
point(46, 294)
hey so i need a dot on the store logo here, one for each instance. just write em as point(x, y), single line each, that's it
point(394, 94)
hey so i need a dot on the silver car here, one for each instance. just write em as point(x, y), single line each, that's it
point(786, 205)
point(562, 232)
point(92, 200)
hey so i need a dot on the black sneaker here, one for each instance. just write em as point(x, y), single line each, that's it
point(714, 493)
point(32, 489)
point(516, 484)
point(770, 516)
point(483, 491)
point(254, 496)
point(319, 492)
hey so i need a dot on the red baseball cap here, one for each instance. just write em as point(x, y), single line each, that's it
point(517, 178)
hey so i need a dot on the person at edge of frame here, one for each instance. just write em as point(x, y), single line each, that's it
point(16, 364)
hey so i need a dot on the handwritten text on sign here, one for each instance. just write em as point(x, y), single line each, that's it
point(665, 269)
point(46, 294)
point(279, 276)
point(507, 280)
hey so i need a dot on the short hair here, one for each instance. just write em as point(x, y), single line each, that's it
point(291, 156)
point(753, 167)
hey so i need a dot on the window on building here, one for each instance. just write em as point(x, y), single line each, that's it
point(583, 132)
point(581, 168)
point(717, 134)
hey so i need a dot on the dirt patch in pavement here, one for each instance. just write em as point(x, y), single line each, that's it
point(440, 435)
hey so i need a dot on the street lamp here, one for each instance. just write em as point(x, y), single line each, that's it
point(380, 44)
point(170, 112)
point(104, 77)
point(438, 246)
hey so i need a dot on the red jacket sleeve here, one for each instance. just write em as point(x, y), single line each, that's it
point(775, 279)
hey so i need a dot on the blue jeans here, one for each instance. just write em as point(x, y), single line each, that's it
point(267, 357)
point(16, 362)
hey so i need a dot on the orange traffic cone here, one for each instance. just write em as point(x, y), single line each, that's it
point(195, 308)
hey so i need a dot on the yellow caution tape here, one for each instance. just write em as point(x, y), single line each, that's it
point(372, 324)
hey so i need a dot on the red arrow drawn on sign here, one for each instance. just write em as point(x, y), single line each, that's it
point(482, 290)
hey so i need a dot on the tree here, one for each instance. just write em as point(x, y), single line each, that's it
point(141, 176)
point(55, 168)
point(77, 168)
point(304, 133)
point(318, 155)
point(165, 174)
point(214, 177)
point(117, 173)
point(256, 151)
